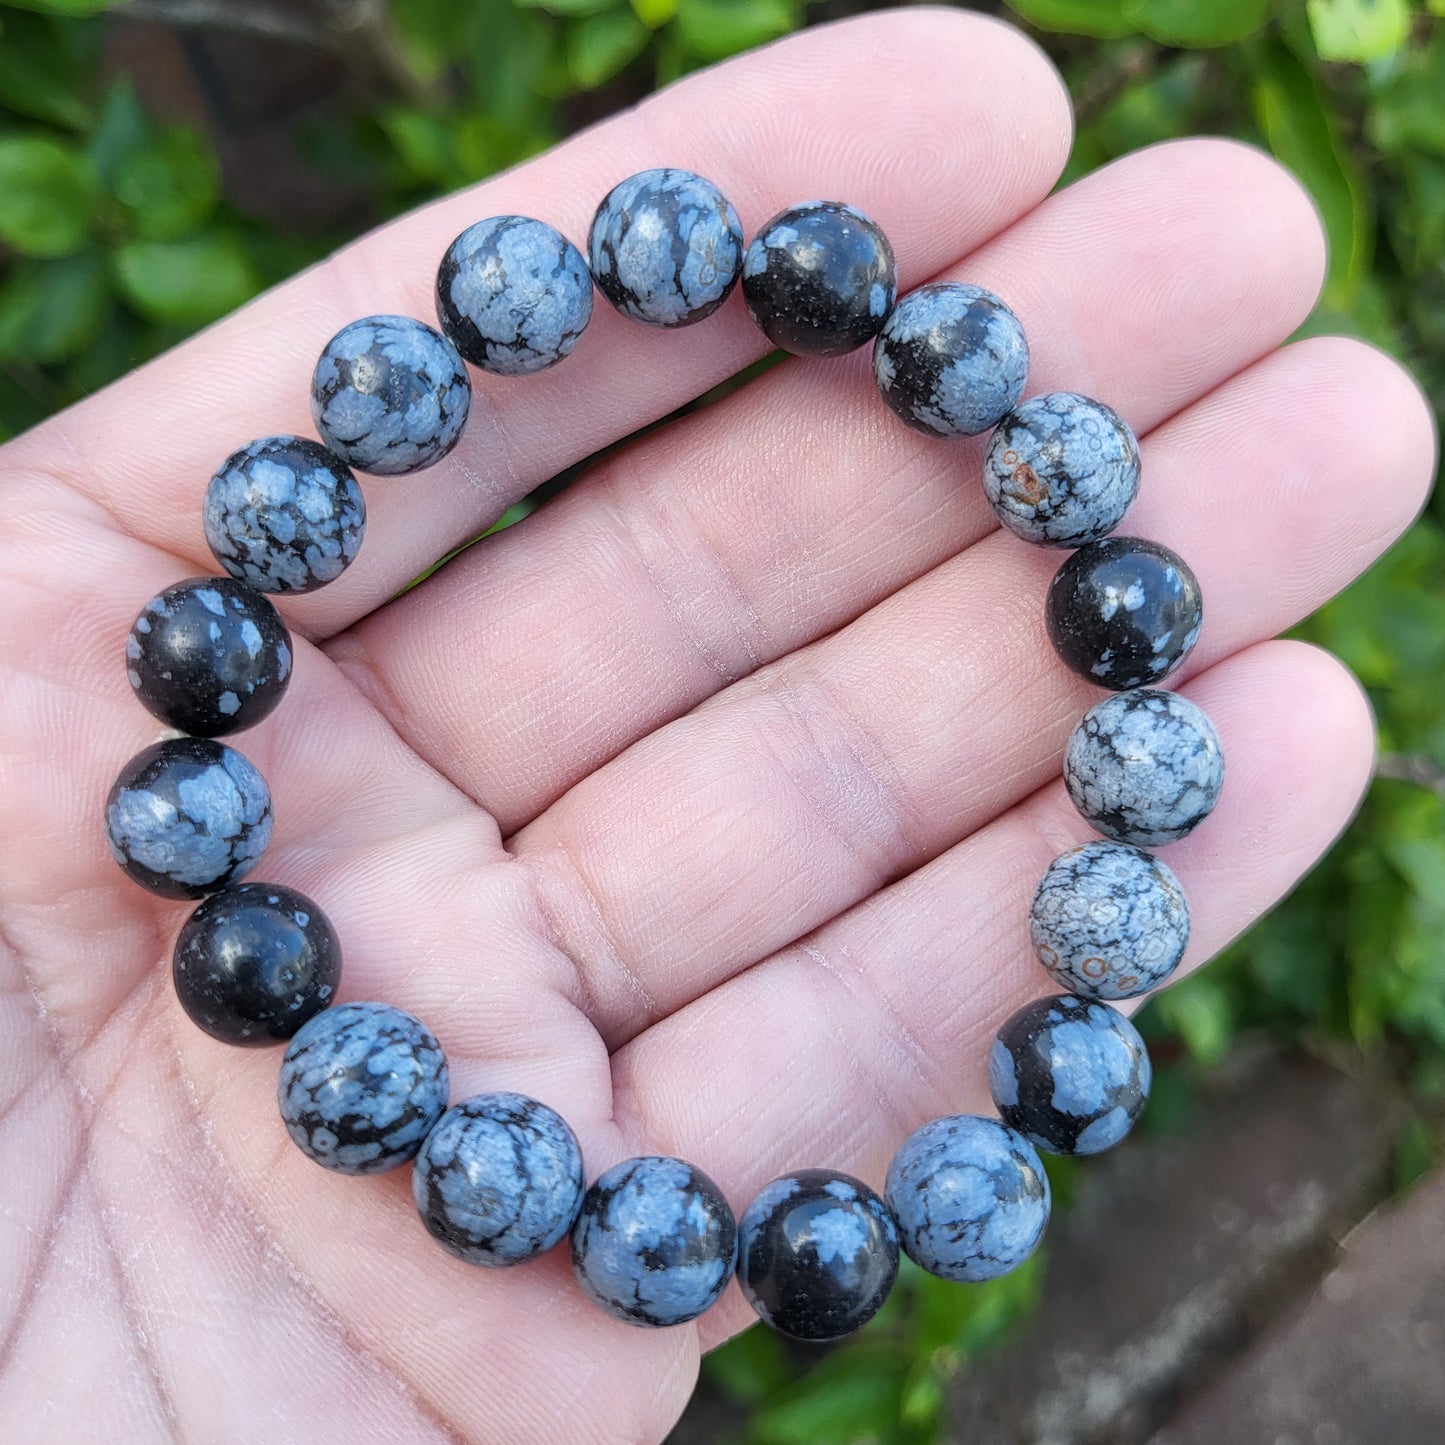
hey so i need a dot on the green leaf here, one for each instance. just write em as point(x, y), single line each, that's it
point(171, 185)
point(749, 1367)
point(1297, 122)
point(44, 71)
point(653, 13)
point(121, 131)
point(64, 7)
point(1104, 19)
point(423, 142)
point(50, 310)
point(1408, 112)
point(47, 195)
point(599, 46)
point(1358, 30)
point(1199, 1011)
point(852, 1397)
point(188, 283)
point(569, 8)
point(1198, 23)
point(715, 29)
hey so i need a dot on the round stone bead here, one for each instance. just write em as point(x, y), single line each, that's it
point(655, 1243)
point(1071, 1075)
point(255, 962)
point(284, 515)
point(817, 1254)
point(513, 295)
point(499, 1180)
point(665, 247)
point(1144, 767)
point(390, 395)
point(1109, 921)
point(361, 1087)
point(187, 816)
point(209, 656)
point(819, 279)
point(1061, 470)
point(970, 1196)
point(951, 360)
point(1123, 612)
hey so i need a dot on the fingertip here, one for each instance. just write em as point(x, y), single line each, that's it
point(1298, 736)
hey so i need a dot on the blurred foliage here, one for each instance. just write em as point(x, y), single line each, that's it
point(117, 238)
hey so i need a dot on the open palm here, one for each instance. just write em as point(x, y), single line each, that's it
point(705, 805)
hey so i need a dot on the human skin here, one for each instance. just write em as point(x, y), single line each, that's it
point(707, 804)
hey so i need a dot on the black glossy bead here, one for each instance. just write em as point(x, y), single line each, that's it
point(1124, 612)
point(254, 962)
point(819, 279)
point(209, 656)
point(187, 816)
point(1070, 1074)
point(817, 1254)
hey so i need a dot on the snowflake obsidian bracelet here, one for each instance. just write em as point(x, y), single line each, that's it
point(499, 1179)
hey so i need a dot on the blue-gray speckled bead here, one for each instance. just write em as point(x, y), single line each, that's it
point(1061, 470)
point(187, 816)
point(1109, 921)
point(666, 247)
point(655, 1242)
point(1144, 767)
point(1070, 1074)
point(499, 1180)
point(970, 1197)
point(513, 295)
point(361, 1087)
point(817, 1254)
point(390, 395)
point(284, 515)
point(951, 360)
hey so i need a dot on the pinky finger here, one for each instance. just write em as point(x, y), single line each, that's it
point(832, 1051)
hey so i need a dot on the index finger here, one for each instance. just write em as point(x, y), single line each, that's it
point(945, 126)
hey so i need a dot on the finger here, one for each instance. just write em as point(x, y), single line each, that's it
point(765, 128)
point(774, 518)
point(800, 790)
point(831, 1052)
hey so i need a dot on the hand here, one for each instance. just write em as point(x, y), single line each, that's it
point(705, 805)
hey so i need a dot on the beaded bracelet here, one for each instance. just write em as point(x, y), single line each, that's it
point(499, 1179)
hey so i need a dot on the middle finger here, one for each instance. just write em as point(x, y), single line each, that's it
point(723, 543)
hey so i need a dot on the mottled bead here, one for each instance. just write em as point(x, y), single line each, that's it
point(1144, 767)
point(1109, 921)
point(817, 1254)
point(655, 1243)
point(970, 1198)
point(255, 962)
point(951, 360)
point(819, 279)
point(1123, 612)
point(361, 1087)
point(499, 1180)
point(284, 515)
point(209, 656)
point(1070, 1074)
point(390, 395)
point(513, 295)
point(665, 247)
point(1061, 470)
point(187, 816)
